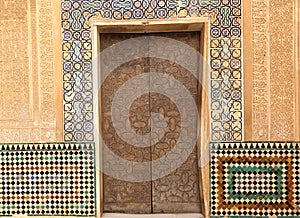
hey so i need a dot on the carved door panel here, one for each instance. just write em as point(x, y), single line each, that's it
point(177, 192)
point(123, 196)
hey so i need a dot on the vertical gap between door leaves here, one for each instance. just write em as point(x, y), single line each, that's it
point(150, 147)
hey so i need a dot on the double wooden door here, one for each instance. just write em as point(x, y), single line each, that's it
point(177, 192)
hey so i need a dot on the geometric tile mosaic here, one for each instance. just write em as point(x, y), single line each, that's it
point(47, 179)
point(255, 179)
point(225, 58)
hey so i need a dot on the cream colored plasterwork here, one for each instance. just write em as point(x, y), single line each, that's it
point(28, 85)
point(275, 74)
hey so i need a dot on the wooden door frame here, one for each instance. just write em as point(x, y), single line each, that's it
point(101, 25)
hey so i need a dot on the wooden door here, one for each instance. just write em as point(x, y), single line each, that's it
point(177, 192)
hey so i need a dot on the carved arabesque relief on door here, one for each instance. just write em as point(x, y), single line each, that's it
point(177, 192)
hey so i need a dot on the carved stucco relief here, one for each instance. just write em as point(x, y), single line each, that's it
point(274, 70)
point(27, 74)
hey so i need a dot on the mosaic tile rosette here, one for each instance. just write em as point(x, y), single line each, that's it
point(47, 179)
point(255, 179)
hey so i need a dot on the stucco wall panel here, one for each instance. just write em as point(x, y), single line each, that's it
point(29, 97)
point(274, 79)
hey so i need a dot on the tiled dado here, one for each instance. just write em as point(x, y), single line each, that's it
point(255, 179)
point(47, 179)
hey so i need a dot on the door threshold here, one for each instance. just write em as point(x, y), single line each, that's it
point(174, 215)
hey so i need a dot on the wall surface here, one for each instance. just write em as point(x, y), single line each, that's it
point(226, 76)
point(30, 107)
point(46, 85)
point(272, 70)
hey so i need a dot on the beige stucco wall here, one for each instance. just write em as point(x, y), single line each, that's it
point(30, 82)
point(271, 70)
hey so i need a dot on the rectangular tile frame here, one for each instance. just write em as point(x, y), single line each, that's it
point(266, 152)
